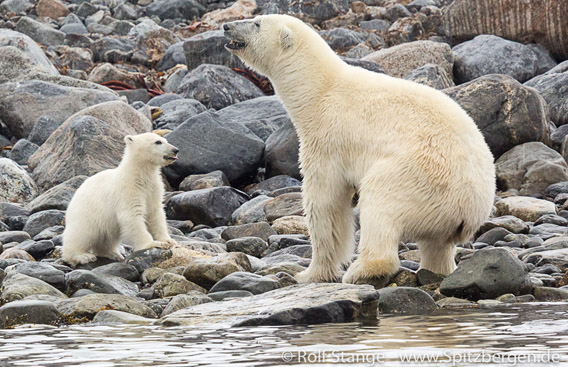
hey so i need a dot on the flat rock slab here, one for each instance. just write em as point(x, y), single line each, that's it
point(314, 303)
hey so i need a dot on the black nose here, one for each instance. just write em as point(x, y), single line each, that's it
point(225, 27)
point(175, 150)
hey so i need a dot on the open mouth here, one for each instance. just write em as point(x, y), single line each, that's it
point(171, 158)
point(235, 45)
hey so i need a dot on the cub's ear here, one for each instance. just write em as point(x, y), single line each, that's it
point(286, 38)
point(128, 139)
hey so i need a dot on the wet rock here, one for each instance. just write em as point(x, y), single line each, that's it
point(204, 181)
point(431, 75)
point(253, 246)
point(507, 113)
point(526, 208)
point(509, 222)
point(99, 283)
point(89, 305)
point(59, 102)
point(253, 283)
point(465, 19)
point(17, 185)
point(209, 48)
point(548, 294)
point(297, 304)
point(41, 271)
point(312, 12)
point(281, 154)
point(18, 286)
point(170, 284)
point(206, 272)
point(28, 312)
point(22, 150)
point(58, 197)
point(181, 301)
point(488, 273)
point(455, 303)
point(42, 220)
point(40, 32)
point(251, 212)
point(174, 113)
point(552, 87)
point(175, 9)
point(405, 300)
point(261, 230)
point(284, 205)
point(400, 60)
point(292, 224)
point(145, 259)
point(111, 317)
point(121, 270)
point(220, 296)
point(38, 249)
point(217, 86)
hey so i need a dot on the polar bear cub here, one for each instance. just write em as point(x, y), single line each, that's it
point(121, 204)
point(418, 162)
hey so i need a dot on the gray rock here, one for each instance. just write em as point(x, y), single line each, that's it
point(172, 83)
point(557, 258)
point(16, 286)
point(143, 27)
point(162, 99)
point(28, 49)
point(342, 39)
point(405, 300)
point(509, 222)
point(554, 89)
point(28, 312)
point(261, 230)
point(530, 168)
point(175, 9)
point(207, 206)
point(121, 270)
point(488, 54)
point(58, 197)
point(175, 112)
point(431, 75)
point(42, 129)
point(217, 86)
point(112, 317)
point(42, 271)
point(313, 12)
point(251, 212)
point(56, 101)
point(89, 305)
point(74, 28)
point(253, 283)
point(488, 273)
point(42, 220)
point(228, 147)
point(526, 208)
point(50, 233)
point(173, 56)
point(507, 113)
point(220, 296)
point(284, 205)
point(40, 32)
point(17, 185)
point(145, 259)
point(206, 272)
point(281, 154)
point(209, 48)
point(548, 294)
point(493, 235)
point(555, 189)
point(38, 249)
point(99, 283)
point(113, 49)
point(22, 150)
point(14, 236)
point(15, 6)
point(253, 246)
point(182, 301)
point(380, 25)
point(204, 181)
point(298, 304)
point(170, 284)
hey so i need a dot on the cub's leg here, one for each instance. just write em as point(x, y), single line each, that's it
point(437, 257)
point(157, 224)
point(78, 246)
point(133, 229)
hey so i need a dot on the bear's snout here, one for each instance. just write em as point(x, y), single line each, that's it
point(226, 27)
point(175, 150)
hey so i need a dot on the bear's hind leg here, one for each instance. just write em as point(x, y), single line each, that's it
point(437, 257)
point(77, 249)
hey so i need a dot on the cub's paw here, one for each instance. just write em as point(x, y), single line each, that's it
point(377, 272)
point(311, 276)
point(81, 259)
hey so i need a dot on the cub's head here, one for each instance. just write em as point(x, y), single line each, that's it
point(265, 41)
point(150, 148)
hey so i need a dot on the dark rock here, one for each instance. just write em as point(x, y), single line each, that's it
point(548, 294)
point(207, 206)
point(551, 219)
point(342, 39)
point(145, 259)
point(204, 181)
point(397, 11)
point(273, 183)
point(304, 251)
point(253, 283)
point(99, 283)
point(251, 212)
point(175, 112)
point(281, 155)
point(17, 186)
point(409, 264)
point(313, 12)
point(121, 270)
point(50, 233)
point(16, 286)
point(553, 87)
point(162, 99)
point(488, 273)
point(135, 95)
point(530, 168)
point(493, 235)
point(42, 220)
point(14, 236)
point(380, 25)
point(547, 269)
point(296, 304)
point(426, 277)
point(22, 150)
point(261, 230)
point(176, 9)
point(173, 56)
point(58, 197)
point(253, 246)
point(28, 312)
point(89, 305)
point(217, 86)
point(39, 249)
point(113, 49)
point(42, 129)
point(278, 242)
point(74, 28)
point(40, 32)
point(41, 271)
point(555, 189)
point(209, 48)
point(507, 113)
point(405, 300)
point(431, 75)
point(220, 296)
point(229, 147)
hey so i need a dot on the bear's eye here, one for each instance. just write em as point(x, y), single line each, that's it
point(158, 142)
point(257, 24)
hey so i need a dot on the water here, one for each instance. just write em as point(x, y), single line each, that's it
point(499, 337)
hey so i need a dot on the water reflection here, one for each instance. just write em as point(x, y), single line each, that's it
point(450, 335)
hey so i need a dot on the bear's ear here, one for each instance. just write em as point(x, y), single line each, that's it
point(128, 139)
point(286, 39)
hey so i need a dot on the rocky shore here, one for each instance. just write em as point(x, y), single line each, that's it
point(76, 76)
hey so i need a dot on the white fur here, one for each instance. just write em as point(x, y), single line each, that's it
point(419, 163)
point(120, 204)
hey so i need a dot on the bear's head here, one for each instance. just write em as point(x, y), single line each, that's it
point(150, 149)
point(265, 42)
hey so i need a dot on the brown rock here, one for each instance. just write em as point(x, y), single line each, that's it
point(284, 205)
point(51, 9)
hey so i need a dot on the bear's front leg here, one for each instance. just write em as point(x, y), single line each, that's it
point(133, 229)
point(157, 225)
point(329, 213)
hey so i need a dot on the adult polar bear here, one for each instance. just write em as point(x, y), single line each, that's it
point(419, 163)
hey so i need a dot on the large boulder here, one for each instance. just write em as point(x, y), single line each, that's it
point(48, 99)
point(28, 49)
point(175, 9)
point(487, 54)
point(175, 112)
point(315, 11)
point(399, 61)
point(58, 197)
point(217, 86)
point(541, 22)
point(17, 186)
point(553, 87)
point(282, 150)
point(209, 144)
point(88, 306)
point(18, 286)
point(528, 209)
point(530, 168)
point(40, 32)
point(208, 48)
point(506, 112)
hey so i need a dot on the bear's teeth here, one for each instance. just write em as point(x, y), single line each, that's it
point(231, 43)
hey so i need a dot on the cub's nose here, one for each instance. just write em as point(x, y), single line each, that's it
point(225, 27)
point(175, 150)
